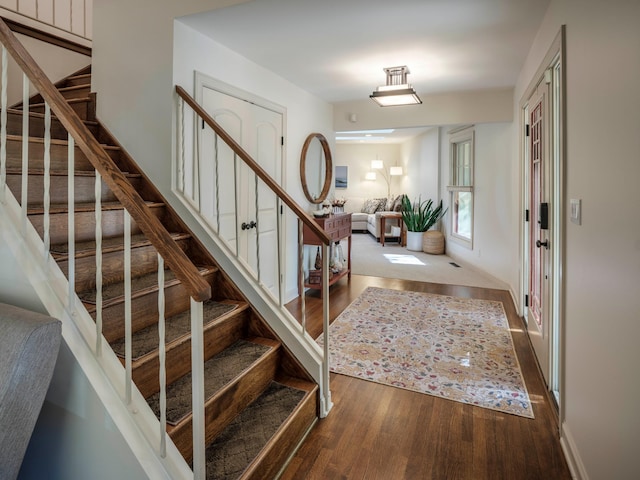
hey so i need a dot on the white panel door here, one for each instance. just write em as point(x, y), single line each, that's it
point(247, 211)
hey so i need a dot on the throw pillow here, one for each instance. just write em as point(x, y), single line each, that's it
point(382, 204)
point(397, 204)
point(370, 205)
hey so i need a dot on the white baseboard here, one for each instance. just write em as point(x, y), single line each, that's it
point(578, 471)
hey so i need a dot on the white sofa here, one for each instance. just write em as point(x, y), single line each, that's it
point(366, 222)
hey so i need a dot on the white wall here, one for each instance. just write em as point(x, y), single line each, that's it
point(358, 158)
point(420, 162)
point(601, 424)
point(496, 203)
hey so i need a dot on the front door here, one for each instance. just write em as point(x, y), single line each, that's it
point(246, 211)
point(539, 225)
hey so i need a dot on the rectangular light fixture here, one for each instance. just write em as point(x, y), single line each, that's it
point(397, 91)
point(395, 171)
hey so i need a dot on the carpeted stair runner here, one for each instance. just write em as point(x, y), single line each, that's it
point(146, 340)
point(236, 447)
point(115, 290)
point(218, 371)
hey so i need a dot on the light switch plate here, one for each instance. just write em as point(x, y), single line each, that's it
point(576, 211)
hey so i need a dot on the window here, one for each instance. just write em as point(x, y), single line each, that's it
point(461, 186)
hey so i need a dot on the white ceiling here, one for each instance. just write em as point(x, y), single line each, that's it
point(336, 49)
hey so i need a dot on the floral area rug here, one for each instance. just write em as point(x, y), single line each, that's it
point(456, 348)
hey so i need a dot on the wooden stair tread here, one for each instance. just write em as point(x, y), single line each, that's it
point(74, 87)
point(83, 207)
point(61, 173)
point(109, 244)
point(141, 285)
point(19, 111)
point(69, 100)
point(55, 141)
point(219, 371)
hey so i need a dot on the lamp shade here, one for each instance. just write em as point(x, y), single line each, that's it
point(395, 171)
point(370, 176)
point(377, 164)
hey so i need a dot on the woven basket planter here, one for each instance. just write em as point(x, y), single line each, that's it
point(433, 242)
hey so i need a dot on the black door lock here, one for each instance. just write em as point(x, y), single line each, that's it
point(544, 244)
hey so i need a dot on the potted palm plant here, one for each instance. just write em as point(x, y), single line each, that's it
point(419, 217)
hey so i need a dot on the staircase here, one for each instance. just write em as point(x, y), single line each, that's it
point(259, 401)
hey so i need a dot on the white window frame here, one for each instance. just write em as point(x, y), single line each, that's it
point(459, 136)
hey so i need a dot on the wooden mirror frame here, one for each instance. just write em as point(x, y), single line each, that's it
point(328, 168)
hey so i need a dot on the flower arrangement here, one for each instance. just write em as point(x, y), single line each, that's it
point(338, 202)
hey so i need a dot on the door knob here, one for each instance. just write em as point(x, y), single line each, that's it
point(544, 244)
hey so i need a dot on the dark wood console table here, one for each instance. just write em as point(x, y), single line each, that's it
point(338, 227)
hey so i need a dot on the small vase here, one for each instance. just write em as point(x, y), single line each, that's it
point(318, 263)
point(414, 241)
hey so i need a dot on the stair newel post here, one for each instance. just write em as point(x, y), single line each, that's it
point(25, 151)
point(197, 389)
point(162, 353)
point(71, 227)
point(3, 126)
point(47, 178)
point(98, 213)
point(303, 306)
point(326, 397)
point(127, 305)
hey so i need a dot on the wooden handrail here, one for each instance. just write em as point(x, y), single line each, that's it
point(175, 258)
point(257, 169)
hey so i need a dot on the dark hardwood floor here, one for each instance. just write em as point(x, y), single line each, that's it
point(380, 432)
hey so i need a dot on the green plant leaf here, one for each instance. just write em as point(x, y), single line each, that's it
point(420, 216)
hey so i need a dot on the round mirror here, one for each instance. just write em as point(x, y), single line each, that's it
point(316, 168)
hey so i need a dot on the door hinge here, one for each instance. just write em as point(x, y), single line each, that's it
point(526, 300)
point(203, 124)
point(526, 215)
point(281, 209)
point(282, 141)
point(526, 130)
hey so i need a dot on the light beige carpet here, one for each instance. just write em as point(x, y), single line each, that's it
point(455, 348)
point(368, 257)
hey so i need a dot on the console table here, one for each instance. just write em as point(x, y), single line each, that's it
point(338, 227)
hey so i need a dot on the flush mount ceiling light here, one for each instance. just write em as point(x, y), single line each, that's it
point(397, 91)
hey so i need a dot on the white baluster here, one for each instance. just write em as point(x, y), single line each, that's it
point(197, 390)
point(181, 155)
point(127, 304)
point(47, 179)
point(303, 307)
point(98, 237)
point(25, 150)
point(3, 126)
point(162, 353)
point(326, 403)
point(71, 222)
